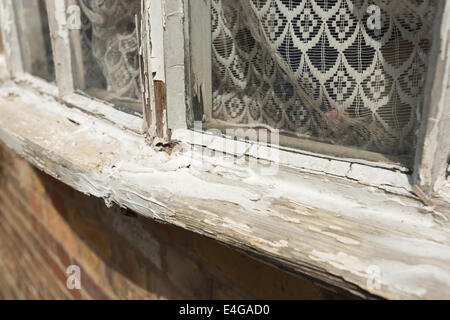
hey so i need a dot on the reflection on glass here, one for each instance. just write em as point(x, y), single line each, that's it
point(34, 37)
point(106, 50)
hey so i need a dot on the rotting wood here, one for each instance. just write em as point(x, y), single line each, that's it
point(326, 228)
point(161, 110)
point(154, 92)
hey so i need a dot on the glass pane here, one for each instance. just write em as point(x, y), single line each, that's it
point(339, 72)
point(34, 37)
point(106, 50)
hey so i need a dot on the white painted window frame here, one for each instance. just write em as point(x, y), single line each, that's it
point(165, 33)
point(13, 52)
point(327, 228)
point(64, 88)
point(434, 137)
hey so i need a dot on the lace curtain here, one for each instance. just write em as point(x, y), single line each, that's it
point(110, 49)
point(315, 68)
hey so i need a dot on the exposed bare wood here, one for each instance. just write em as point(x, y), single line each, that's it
point(155, 107)
point(333, 221)
point(335, 231)
point(160, 107)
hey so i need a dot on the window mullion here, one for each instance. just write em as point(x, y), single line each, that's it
point(61, 46)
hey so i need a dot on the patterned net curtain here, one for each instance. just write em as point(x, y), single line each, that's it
point(318, 69)
point(110, 49)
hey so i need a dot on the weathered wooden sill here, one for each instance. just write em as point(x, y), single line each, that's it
point(335, 231)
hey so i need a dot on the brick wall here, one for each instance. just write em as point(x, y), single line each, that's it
point(46, 226)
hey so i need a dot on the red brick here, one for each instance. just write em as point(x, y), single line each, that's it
point(36, 205)
point(88, 284)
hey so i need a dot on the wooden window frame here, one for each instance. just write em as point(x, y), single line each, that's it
point(167, 105)
point(318, 217)
point(64, 89)
point(14, 55)
point(433, 152)
point(434, 133)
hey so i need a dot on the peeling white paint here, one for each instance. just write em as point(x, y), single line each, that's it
point(341, 261)
point(342, 239)
point(312, 221)
point(157, 38)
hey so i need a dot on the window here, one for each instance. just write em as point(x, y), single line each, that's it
point(356, 89)
point(343, 73)
point(34, 37)
point(105, 50)
point(346, 79)
point(343, 80)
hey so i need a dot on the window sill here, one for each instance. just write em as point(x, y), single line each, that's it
point(338, 232)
